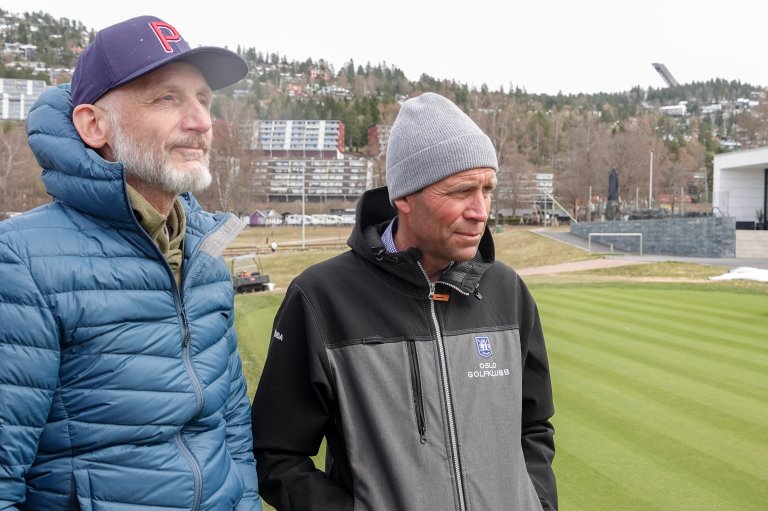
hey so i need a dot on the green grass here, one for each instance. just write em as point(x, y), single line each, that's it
point(254, 313)
point(661, 389)
point(661, 395)
point(282, 267)
point(521, 248)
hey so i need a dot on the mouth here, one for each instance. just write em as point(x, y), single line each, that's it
point(187, 154)
point(470, 235)
point(190, 152)
point(190, 147)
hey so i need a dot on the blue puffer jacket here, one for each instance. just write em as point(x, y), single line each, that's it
point(118, 391)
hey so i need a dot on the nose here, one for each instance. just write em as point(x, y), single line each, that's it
point(197, 118)
point(478, 206)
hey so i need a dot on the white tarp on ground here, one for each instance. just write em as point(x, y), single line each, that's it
point(744, 273)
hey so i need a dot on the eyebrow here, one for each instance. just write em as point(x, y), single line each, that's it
point(173, 83)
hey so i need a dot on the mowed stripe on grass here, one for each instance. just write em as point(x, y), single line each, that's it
point(661, 396)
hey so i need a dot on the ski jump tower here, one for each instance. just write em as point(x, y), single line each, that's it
point(665, 74)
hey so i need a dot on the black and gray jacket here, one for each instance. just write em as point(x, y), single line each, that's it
point(431, 397)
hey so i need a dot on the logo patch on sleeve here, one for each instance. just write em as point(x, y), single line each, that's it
point(483, 346)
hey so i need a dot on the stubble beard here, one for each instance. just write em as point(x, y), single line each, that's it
point(153, 165)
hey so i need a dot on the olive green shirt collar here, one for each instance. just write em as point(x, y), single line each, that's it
point(167, 233)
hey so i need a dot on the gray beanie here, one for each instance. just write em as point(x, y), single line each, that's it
point(430, 140)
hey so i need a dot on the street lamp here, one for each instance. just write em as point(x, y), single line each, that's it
point(650, 184)
point(303, 200)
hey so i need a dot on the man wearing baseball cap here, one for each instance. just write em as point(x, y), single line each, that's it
point(122, 386)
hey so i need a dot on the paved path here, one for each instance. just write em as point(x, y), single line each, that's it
point(591, 264)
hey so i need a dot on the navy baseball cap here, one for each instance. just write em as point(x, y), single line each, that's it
point(130, 49)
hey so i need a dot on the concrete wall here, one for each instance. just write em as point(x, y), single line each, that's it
point(752, 244)
point(689, 237)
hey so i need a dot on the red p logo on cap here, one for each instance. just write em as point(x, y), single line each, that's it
point(165, 34)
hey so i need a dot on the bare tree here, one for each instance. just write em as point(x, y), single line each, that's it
point(20, 185)
point(751, 125)
point(232, 159)
point(583, 161)
point(629, 151)
point(499, 118)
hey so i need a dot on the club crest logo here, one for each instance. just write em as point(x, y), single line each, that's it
point(483, 346)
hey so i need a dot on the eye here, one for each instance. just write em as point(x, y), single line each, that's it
point(463, 192)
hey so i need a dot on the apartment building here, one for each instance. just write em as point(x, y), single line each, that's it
point(316, 180)
point(17, 97)
point(378, 136)
point(298, 138)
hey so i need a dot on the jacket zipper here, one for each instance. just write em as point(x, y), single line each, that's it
point(181, 312)
point(196, 470)
point(181, 309)
point(187, 357)
point(418, 397)
point(447, 393)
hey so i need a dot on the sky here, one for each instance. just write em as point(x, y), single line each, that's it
point(548, 47)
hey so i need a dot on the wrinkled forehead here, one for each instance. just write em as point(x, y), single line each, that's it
point(481, 176)
point(172, 76)
point(175, 74)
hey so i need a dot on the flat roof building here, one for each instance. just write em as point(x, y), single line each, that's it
point(317, 180)
point(378, 136)
point(17, 97)
point(298, 138)
point(740, 186)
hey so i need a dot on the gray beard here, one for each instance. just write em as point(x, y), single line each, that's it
point(154, 167)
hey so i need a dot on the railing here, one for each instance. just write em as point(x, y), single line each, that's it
point(552, 198)
point(286, 247)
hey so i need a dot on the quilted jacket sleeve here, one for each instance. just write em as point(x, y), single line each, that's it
point(29, 363)
point(238, 418)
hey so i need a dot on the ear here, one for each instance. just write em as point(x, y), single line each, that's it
point(402, 205)
point(92, 124)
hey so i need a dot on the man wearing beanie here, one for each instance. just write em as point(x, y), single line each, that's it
point(418, 358)
point(121, 381)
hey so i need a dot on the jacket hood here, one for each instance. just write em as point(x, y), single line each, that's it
point(373, 214)
point(72, 172)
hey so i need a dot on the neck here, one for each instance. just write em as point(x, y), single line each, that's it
point(433, 269)
point(161, 200)
point(433, 276)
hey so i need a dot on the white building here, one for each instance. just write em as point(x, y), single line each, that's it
point(298, 138)
point(317, 180)
point(679, 110)
point(17, 97)
point(740, 185)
